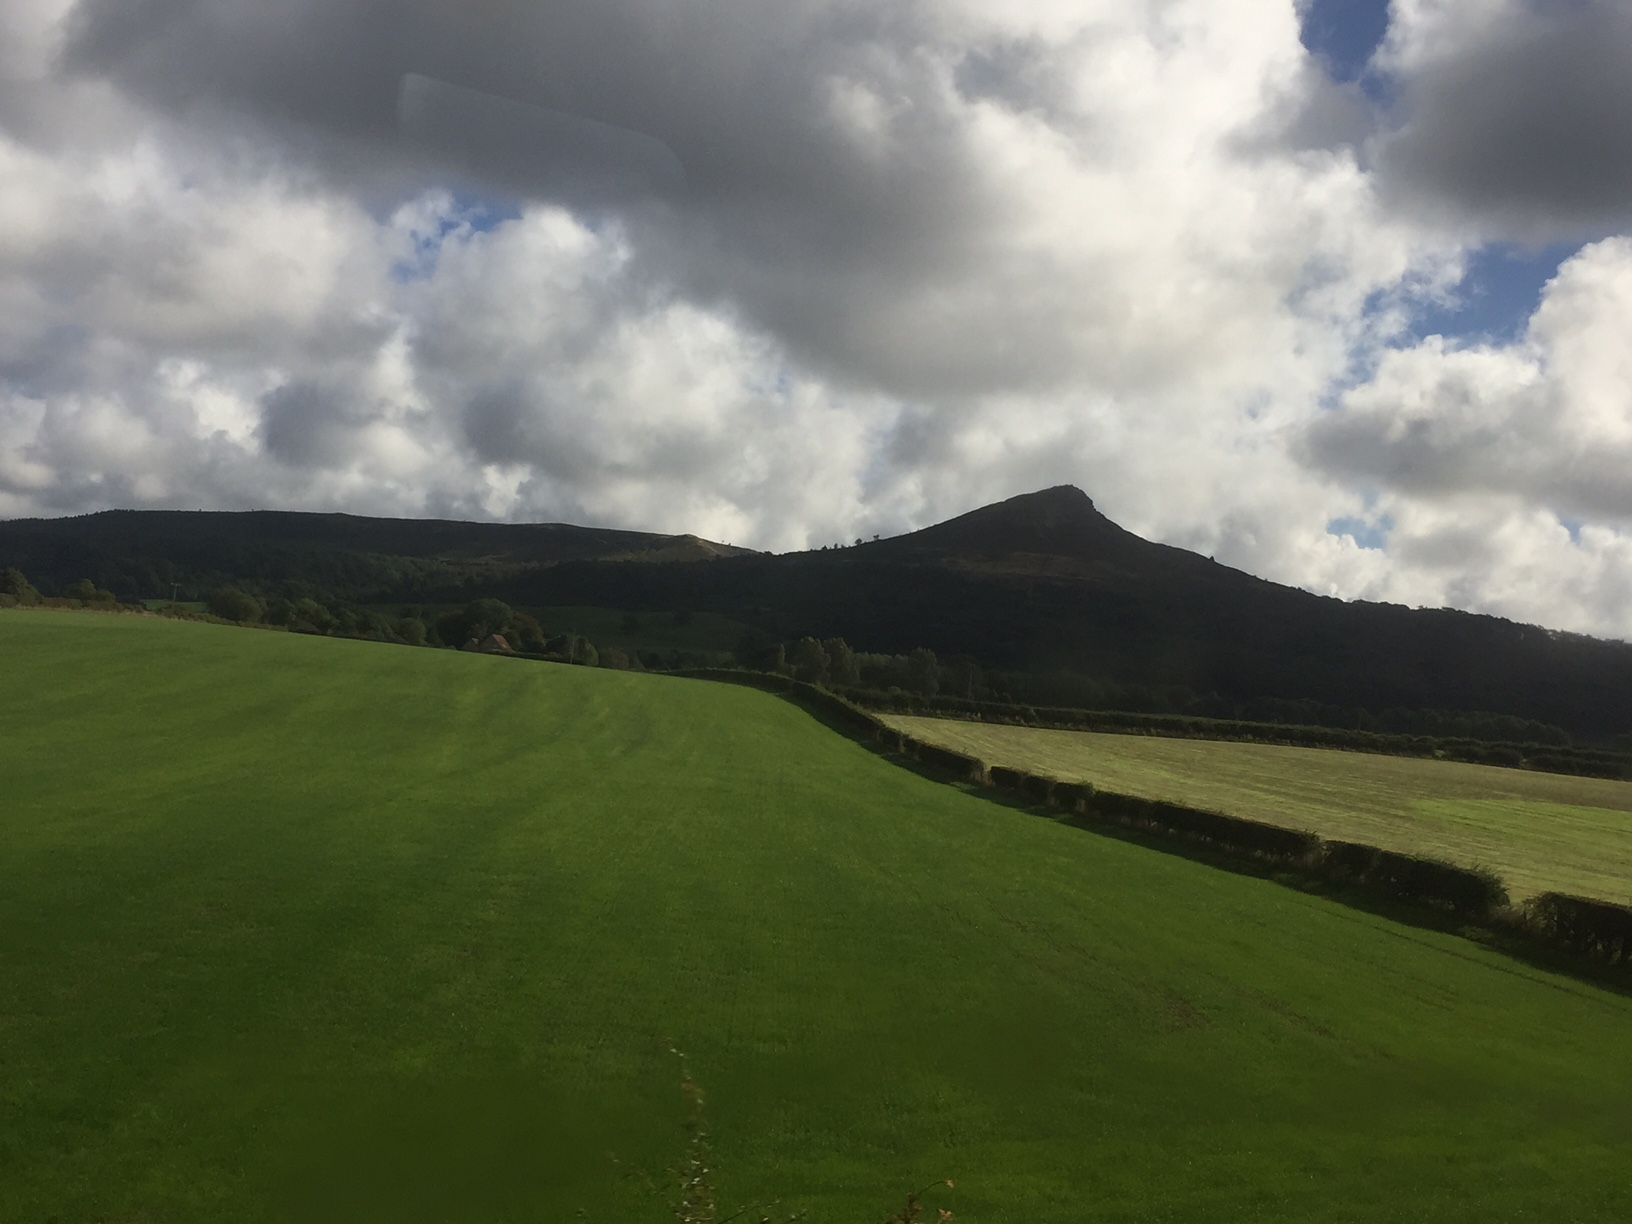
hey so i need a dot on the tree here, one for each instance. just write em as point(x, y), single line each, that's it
point(809, 661)
point(410, 630)
point(923, 672)
point(475, 620)
point(963, 676)
point(525, 633)
point(17, 589)
point(620, 660)
point(230, 603)
point(87, 591)
point(309, 616)
point(843, 668)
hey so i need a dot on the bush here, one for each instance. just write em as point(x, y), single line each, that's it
point(19, 590)
point(842, 667)
point(1072, 795)
point(809, 661)
point(1472, 892)
point(936, 757)
point(1005, 778)
point(923, 672)
point(1231, 832)
point(409, 630)
point(87, 592)
point(1595, 928)
point(230, 603)
point(309, 616)
point(1037, 787)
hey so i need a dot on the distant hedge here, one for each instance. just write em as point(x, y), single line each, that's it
point(1548, 758)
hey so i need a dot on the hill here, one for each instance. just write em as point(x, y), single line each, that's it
point(141, 554)
point(1047, 589)
point(313, 929)
point(1049, 600)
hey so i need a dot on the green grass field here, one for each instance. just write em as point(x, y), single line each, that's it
point(1539, 831)
point(306, 929)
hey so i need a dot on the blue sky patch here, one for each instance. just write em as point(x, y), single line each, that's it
point(1365, 534)
point(1344, 34)
point(1497, 296)
point(476, 214)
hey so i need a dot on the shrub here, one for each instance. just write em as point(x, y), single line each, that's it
point(843, 670)
point(1473, 892)
point(924, 672)
point(17, 588)
point(309, 616)
point(409, 630)
point(1072, 795)
point(1005, 778)
point(1037, 787)
point(523, 632)
point(937, 757)
point(1233, 832)
point(87, 592)
point(809, 661)
point(230, 603)
point(1596, 928)
point(574, 649)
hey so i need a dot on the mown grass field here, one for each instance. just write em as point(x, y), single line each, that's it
point(308, 929)
point(1541, 832)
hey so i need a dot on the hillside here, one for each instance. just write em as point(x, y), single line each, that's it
point(298, 928)
point(1056, 603)
point(1046, 586)
point(144, 554)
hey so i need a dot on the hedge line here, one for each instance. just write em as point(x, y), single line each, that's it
point(1472, 892)
point(1593, 928)
point(1583, 762)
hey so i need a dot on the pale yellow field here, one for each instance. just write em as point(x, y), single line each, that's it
point(1539, 831)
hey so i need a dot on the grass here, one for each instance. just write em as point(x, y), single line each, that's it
point(1541, 832)
point(299, 928)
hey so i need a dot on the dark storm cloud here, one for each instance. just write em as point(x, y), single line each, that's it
point(1525, 124)
point(535, 150)
point(302, 425)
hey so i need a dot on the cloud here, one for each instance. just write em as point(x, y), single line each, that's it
point(1504, 468)
point(426, 258)
point(1517, 113)
point(1547, 420)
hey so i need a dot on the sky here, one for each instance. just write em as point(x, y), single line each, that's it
point(1337, 292)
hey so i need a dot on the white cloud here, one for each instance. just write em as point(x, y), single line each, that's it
point(1485, 456)
point(927, 255)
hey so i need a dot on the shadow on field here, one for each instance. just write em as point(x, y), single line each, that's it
point(1505, 931)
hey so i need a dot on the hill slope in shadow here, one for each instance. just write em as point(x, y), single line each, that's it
point(1042, 585)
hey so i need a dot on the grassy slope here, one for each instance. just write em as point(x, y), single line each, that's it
point(323, 930)
point(1539, 831)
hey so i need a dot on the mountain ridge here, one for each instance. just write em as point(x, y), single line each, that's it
point(1042, 588)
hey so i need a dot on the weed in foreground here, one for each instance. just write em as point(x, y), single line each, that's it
point(697, 1203)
